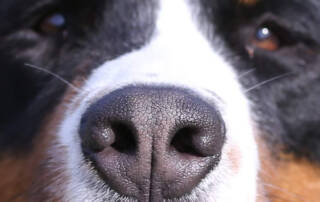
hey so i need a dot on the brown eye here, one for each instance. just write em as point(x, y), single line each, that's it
point(266, 39)
point(52, 24)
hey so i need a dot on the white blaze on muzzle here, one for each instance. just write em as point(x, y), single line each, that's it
point(178, 55)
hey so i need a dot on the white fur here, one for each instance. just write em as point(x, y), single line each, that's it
point(178, 55)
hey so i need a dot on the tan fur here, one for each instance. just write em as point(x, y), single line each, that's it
point(248, 2)
point(286, 178)
point(235, 158)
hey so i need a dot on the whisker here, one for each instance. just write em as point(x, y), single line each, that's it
point(284, 191)
point(246, 73)
point(54, 75)
point(267, 81)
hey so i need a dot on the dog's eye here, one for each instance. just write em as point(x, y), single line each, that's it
point(266, 39)
point(52, 24)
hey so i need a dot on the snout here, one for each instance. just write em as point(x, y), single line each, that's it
point(152, 143)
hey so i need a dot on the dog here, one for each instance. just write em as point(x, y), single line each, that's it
point(160, 100)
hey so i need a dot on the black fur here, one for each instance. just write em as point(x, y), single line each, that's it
point(96, 31)
point(287, 109)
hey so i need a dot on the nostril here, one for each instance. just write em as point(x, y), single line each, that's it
point(124, 137)
point(95, 138)
point(183, 141)
point(200, 140)
point(118, 135)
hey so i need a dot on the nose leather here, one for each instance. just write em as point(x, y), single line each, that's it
point(152, 143)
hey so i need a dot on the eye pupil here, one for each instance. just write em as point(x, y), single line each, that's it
point(263, 33)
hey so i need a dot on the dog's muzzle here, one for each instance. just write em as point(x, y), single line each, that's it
point(152, 143)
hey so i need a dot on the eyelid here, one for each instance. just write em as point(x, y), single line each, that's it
point(271, 44)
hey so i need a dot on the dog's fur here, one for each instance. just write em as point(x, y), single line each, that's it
point(269, 99)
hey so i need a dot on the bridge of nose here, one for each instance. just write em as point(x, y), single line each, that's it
point(179, 53)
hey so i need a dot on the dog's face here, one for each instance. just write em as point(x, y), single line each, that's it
point(159, 100)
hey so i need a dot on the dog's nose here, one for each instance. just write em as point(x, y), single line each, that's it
point(152, 143)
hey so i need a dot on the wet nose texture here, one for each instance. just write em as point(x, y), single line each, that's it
point(152, 143)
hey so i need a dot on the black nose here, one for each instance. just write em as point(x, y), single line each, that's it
point(152, 143)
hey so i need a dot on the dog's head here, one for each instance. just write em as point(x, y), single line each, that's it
point(152, 100)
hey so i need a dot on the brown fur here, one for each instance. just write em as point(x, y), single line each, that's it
point(24, 177)
point(286, 178)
